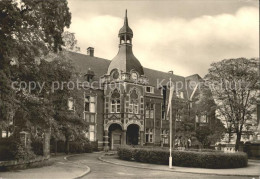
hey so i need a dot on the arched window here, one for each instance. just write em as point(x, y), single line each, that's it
point(115, 102)
point(134, 103)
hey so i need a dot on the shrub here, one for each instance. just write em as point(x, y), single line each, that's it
point(20, 152)
point(125, 153)
point(185, 158)
point(204, 150)
point(76, 146)
point(12, 149)
point(80, 147)
point(5, 152)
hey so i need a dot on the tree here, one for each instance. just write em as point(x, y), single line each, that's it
point(234, 86)
point(205, 106)
point(70, 42)
point(184, 124)
point(202, 134)
point(29, 30)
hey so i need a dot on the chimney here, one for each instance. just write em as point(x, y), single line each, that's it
point(171, 72)
point(90, 51)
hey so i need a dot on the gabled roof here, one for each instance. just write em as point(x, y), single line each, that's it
point(83, 62)
point(195, 79)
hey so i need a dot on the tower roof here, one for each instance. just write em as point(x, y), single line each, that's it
point(125, 61)
point(125, 29)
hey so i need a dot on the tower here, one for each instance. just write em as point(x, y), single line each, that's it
point(124, 95)
point(125, 64)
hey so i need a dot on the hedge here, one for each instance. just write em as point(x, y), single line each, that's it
point(185, 158)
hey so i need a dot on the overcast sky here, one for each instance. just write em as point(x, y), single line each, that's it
point(185, 36)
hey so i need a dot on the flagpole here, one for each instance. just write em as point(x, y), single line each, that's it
point(170, 158)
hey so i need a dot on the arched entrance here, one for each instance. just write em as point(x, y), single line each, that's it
point(132, 134)
point(115, 136)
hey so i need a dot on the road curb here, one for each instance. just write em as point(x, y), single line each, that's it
point(102, 159)
point(82, 174)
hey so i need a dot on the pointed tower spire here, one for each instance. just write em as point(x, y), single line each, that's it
point(126, 20)
point(126, 30)
point(125, 61)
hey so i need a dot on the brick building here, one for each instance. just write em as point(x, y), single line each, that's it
point(124, 105)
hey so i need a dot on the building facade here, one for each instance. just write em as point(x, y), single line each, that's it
point(123, 102)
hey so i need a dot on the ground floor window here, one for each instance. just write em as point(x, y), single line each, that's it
point(165, 136)
point(149, 135)
point(91, 133)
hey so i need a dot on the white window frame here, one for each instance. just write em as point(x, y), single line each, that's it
point(205, 121)
point(178, 117)
point(163, 133)
point(134, 108)
point(91, 103)
point(115, 107)
point(181, 95)
point(149, 132)
point(150, 110)
point(71, 104)
point(91, 133)
point(151, 89)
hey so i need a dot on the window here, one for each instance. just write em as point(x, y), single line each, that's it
point(149, 89)
point(149, 111)
point(178, 117)
point(71, 106)
point(90, 104)
point(4, 134)
point(134, 108)
point(149, 135)
point(115, 106)
point(89, 78)
point(203, 119)
point(165, 136)
point(197, 118)
point(115, 102)
point(180, 94)
point(91, 133)
point(134, 103)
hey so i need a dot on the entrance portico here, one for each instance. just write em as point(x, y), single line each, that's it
point(116, 136)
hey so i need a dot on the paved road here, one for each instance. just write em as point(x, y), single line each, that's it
point(101, 169)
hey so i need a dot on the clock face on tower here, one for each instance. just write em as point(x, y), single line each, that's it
point(134, 75)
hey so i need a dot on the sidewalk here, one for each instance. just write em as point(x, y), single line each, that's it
point(252, 170)
point(61, 168)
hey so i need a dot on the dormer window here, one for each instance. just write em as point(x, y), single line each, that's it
point(89, 75)
point(149, 89)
